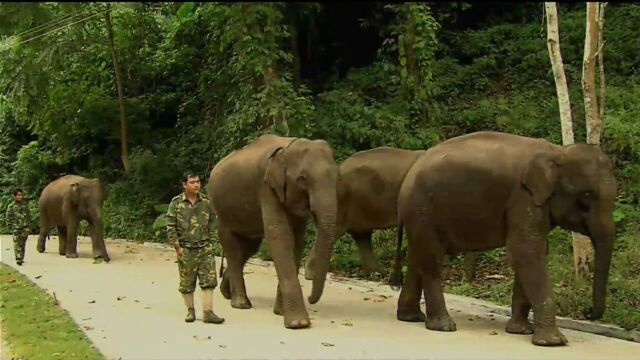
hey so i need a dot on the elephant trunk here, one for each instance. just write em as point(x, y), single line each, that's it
point(326, 211)
point(602, 236)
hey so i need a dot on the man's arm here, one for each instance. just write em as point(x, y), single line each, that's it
point(172, 222)
point(212, 224)
point(9, 217)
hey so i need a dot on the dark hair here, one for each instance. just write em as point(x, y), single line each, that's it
point(16, 191)
point(188, 174)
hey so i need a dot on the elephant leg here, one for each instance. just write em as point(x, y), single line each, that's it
point(365, 251)
point(72, 239)
point(426, 254)
point(44, 232)
point(62, 240)
point(520, 306)
point(470, 266)
point(98, 247)
point(299, 232)
point(528, 262)
point(409, 300)
point(233, 281)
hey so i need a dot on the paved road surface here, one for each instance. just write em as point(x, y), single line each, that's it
point(147, 321)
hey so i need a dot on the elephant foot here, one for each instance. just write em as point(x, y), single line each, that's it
point(103, 258)
point(40, 248)
point(240, 303)
point(522, 327)
point(440, 323)
point(297, 322)
point(72, 255)
point(62, 252)
point(225, 288)
point(548, 336)
point(410, 316)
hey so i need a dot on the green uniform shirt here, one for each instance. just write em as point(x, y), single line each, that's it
point(17, 216)
point(190, 225)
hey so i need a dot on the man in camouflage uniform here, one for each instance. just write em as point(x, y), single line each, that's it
point(190, 230)
point(18, 223)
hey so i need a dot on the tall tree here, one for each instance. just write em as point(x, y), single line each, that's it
point(593, 49)
point(124, 152)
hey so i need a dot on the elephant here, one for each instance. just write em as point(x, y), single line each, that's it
point(367, 194)
point(367, 200)
point(269, 189)
point(64, 203)
point(490, 189)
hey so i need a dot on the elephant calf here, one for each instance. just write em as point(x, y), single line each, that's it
point(269, 189)
point(488, 189)
point(64, 203)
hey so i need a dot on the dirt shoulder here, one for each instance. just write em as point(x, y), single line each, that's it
point(131, 309)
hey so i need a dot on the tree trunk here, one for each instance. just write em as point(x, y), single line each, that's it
point(124, 152)
point(553, 44)
point(413, 68)
point(295, 47)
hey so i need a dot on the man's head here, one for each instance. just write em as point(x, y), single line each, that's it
point(191, 182)
point(17, 194)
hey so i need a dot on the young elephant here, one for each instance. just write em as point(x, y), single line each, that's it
point(270, 188)
point(368, 190)
point(487, 189)
point(66, 201)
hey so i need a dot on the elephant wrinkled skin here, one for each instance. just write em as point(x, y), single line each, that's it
point(64, 203)
point(488, 189)
point(269, 189)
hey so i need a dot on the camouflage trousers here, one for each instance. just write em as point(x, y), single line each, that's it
point(197, 263)
point(19, 241)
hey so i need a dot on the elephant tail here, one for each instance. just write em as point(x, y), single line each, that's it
point(396, 277)
point(221, 263)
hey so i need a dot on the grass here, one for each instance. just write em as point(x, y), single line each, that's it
point(34, 326)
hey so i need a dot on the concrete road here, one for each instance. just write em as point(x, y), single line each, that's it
point(130, 308)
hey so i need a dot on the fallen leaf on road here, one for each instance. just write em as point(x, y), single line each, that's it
point(366, 298)
point(493, 333)
point(222, 346)
point(130, 251)
point(147, 307)
point(92, 302)
point(38, 276)
point(86, 319)
point(333, 322)
point(87, 327)
point(10, 280)
point(327, 344)
point(120, 298)
point(136, 301)
point(281, 342)
point(347, 322)
point(380, 298)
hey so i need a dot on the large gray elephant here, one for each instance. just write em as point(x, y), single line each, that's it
point(368, 191)
point(269, 189)
point(488, 189)
point(367, 200)
point(64, 203)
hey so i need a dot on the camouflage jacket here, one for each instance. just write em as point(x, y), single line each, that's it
point(17, 216)
point(190, 225)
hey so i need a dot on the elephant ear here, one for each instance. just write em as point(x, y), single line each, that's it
point(74, 193)
point(275, 174)
point(540, 177)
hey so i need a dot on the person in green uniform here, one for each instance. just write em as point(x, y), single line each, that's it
point(17, 218)
point(190, 230)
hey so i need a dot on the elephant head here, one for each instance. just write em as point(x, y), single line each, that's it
point(304, 176)
point(578, 185)
point(87, 197)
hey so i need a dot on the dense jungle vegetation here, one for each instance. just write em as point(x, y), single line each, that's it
point(202, 79)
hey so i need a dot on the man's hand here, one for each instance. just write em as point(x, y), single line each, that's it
point(179, 251)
